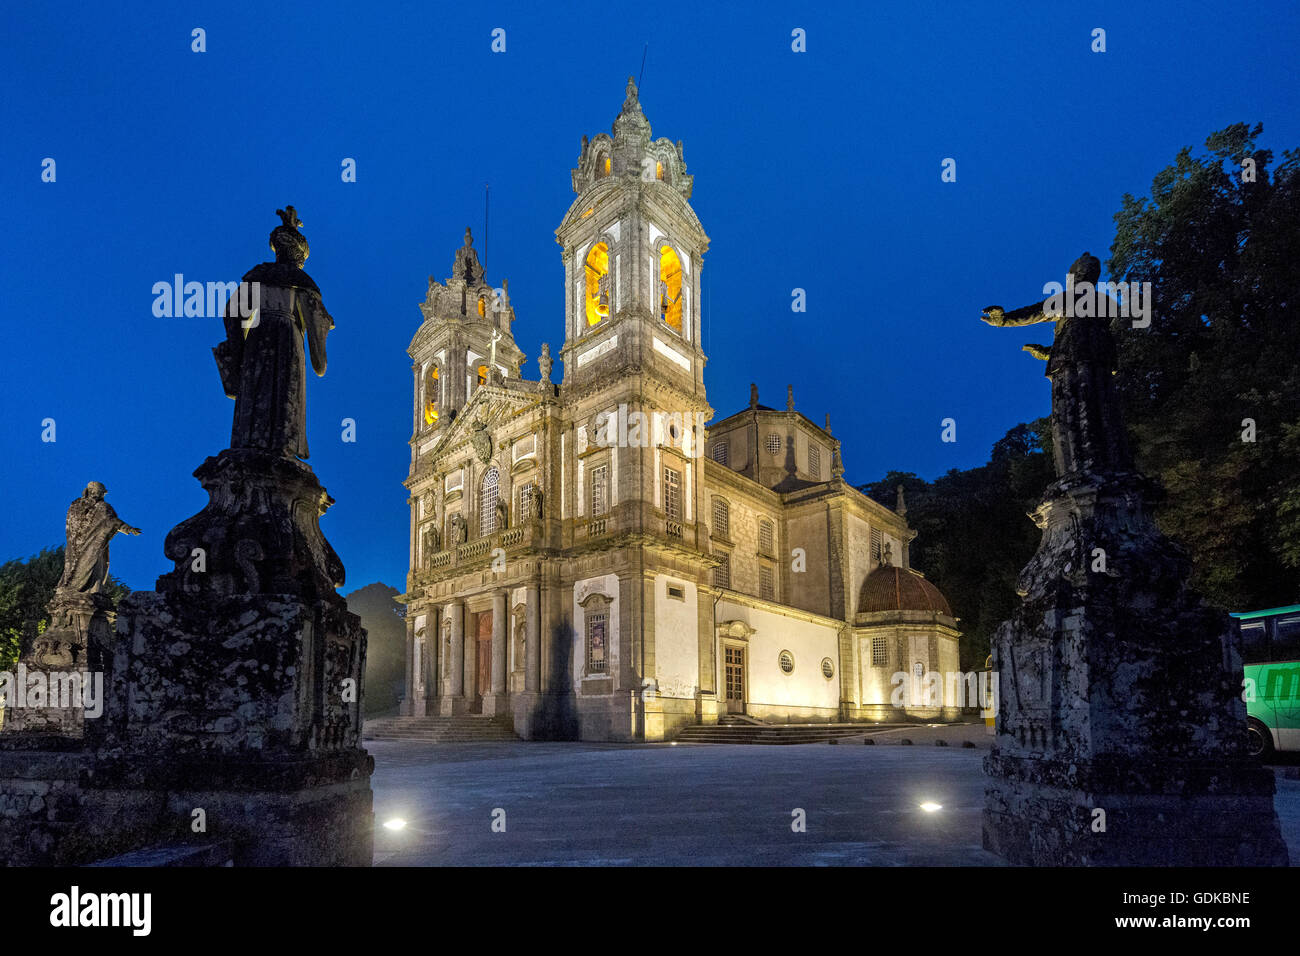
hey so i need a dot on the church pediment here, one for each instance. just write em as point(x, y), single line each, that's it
point(491, 407)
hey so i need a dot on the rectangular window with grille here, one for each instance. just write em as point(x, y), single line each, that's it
point(722, 573)
point(721, 519)
point(673, 494)
point(766, 544)
point(599, 490)
point(766, 587)
point(879, 652)
point(877, 545)
point(597, 644)
point(720, 452)
point(815, 461)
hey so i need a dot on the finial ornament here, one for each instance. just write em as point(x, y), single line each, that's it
point(469, 237)
point(789, 398)
point(900, 506)
point(753, 395)
point(630, 101)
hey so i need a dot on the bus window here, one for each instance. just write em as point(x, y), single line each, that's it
point(1286, 638)
point(1254, 642)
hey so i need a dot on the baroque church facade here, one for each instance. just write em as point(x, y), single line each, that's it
point(588, 559)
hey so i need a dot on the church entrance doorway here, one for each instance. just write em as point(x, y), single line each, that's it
point(735, 679)
point(483, 672)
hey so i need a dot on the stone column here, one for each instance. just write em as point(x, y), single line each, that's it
point(454, 702)
point(433, 658)
point(469, 661)
point(494, 702)
point(426, 703)
point(533, 639)
point(407, 707)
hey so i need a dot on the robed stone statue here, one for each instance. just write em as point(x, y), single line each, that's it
point(92, 523)
point(1087, 429)
point(262, 361)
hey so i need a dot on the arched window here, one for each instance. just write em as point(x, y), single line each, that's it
point(432, 397)
point(659, 171)
point(482, 374)
point(603, 167)
point(487, 503)
point(597, 269)
point(670, 288)
point(482, 307)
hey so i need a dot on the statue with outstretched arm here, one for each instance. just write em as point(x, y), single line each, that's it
point(1087, 429)
point(92, 524)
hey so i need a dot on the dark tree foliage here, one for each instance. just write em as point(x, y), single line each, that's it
point(1223, 258)
point(26, 588)
point(973, 530)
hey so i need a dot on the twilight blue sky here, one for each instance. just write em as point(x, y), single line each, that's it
point(818, 170)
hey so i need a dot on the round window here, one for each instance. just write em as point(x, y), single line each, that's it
point(786, 661)
point(828, 668)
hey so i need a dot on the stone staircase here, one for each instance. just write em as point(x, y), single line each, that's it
point(733, 730)
point(463, 728)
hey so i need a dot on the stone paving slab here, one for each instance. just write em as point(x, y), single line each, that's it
point(592, 804)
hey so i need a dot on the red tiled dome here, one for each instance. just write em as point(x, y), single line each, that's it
point(900, 589)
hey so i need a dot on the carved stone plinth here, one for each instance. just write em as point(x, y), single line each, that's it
point(65, 658)
point(269, 674)
point(1121, 731)
point(259, 533)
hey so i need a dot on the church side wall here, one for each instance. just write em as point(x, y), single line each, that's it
point(809, 589)
point(805, 694)
point(741, 542)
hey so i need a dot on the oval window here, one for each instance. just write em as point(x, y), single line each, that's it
point(786, 660)
point(828, 668)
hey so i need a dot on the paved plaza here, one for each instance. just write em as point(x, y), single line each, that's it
point(581, 804)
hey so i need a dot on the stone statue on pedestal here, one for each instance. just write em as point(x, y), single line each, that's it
point(260, 533)
point(1119, 689)
point(544, 364)
point(79, 636)
point(236, 685)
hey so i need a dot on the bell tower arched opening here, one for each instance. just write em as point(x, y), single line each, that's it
point(597, 285)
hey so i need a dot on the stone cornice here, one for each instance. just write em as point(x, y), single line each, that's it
point(748, 600)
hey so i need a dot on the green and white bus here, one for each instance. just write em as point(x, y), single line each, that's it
point(1270, 651)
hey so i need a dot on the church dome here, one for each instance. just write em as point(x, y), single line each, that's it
point(900, 589)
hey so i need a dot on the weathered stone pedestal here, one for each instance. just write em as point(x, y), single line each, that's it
point(74, 649)
point(239, 681)
point(1121, 732)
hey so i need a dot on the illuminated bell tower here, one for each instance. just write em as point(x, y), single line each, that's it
point(633, 251)
point(464, 341)
point(632, 435)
